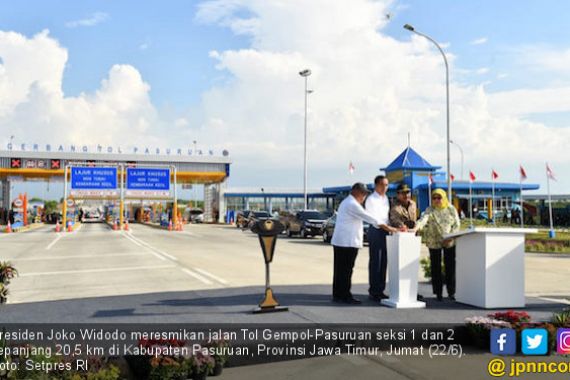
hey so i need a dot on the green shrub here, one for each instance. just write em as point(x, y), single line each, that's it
point(426, 267)
point(561, 319)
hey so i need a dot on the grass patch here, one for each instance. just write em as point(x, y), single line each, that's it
point(538, 243)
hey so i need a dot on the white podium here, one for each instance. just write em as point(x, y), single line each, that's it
point(490, 267)
point(403, 268)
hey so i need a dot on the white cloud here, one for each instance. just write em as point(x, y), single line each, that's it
point(34, 108)
point(482, 70)
point(370, 91)
point(94, 19)
point(555, 60)
point(522, 102)
point(479, 41)
point(181, 122)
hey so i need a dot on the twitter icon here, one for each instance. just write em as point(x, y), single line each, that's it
point(534, 341)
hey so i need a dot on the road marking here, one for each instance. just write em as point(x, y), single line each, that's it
point(151, 247)
point(557, 300)
point(208, 274)
point(202, 275)
point(131, 239)
point(16, 259)
point(95, 270)
point(53, 242)
point(197, 276)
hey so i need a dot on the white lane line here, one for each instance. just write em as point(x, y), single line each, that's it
point(53, 242)
point(151, 247)
point(109, 255)
point(557, 300)
point(197, 276)
point(203, 276)
point(95, 270)
point(208, 274)
point(129, 238)
point(190, 233)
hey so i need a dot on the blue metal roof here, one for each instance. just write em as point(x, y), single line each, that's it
point(276, 195)
point(464, 185)
point(346, 189)
point(409, 159)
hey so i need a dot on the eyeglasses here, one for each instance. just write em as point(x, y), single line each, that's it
point(403, 192)
point(437, 197)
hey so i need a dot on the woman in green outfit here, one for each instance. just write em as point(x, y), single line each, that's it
point(440, 219)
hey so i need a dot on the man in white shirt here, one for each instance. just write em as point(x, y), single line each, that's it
point(378, 205)
point(347, 239)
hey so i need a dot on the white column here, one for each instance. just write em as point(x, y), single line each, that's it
point(221, 188)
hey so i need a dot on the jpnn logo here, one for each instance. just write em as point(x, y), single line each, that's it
point(563, 341)
point(535, 341)
point(503, 342)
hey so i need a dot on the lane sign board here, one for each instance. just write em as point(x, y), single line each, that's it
point(148, 182)
point(94, 181)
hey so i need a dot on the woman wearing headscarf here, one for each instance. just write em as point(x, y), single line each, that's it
point(440, 219)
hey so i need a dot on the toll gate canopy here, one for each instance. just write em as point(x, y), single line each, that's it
point(206, 168)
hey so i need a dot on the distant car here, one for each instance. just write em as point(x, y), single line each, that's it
point(196, 215)
point(245, 219)
point(328, 229)
point(306, 224)
point(256, 216)
point(92, 217)
point(239, 218)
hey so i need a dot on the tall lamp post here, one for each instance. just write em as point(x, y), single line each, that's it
point(305, 73)
point(462, 157)
point(411, 29)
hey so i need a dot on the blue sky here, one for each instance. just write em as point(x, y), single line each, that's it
point(170, 47)
point(500, 50)
point(161, 39)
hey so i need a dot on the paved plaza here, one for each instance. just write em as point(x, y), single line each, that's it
point(212, 273)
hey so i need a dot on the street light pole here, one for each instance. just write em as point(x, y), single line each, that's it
point(462, 157)
point(305, 73)
point(411, 29)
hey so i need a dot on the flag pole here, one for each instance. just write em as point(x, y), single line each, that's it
point(470, 202)
point(522, 204)
point(493, 200)
point(549, 202)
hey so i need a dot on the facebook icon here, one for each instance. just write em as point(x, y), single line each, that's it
point(503, 342)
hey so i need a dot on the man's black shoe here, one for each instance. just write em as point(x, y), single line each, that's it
point(349, 301)
point(452, 297)
point(439, 297)
point(378, 297)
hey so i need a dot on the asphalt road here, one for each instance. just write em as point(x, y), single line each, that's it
point(96, 261)
point(210, 273)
